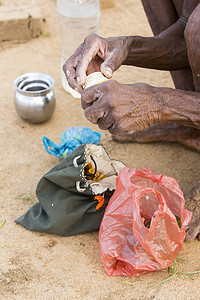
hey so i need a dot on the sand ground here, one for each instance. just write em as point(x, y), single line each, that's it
point(41, 266)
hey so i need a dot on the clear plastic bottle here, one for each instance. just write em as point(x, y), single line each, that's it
point(78, 18)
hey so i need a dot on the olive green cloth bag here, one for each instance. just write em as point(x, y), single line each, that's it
point(67, 203)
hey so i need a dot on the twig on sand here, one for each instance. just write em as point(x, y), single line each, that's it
point(26, 197)
point(24, 273)
point(21, 271)
point(173, 271)
point(4, 221)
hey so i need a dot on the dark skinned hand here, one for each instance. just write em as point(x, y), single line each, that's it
point(95, 54)
point(121, 108)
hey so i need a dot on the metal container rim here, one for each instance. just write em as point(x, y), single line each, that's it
point(34, 76)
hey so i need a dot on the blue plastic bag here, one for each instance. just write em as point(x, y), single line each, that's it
point(72, 138)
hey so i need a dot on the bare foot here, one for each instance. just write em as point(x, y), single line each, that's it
point(186, 136)
point(193, 204)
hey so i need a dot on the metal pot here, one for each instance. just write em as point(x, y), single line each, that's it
point(35, 98)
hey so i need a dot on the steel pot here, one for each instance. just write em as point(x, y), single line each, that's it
point(34, 98)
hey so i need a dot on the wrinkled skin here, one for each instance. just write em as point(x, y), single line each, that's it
point(128, 115)
point(145, 113)
point(193, 204)
point(95, 54)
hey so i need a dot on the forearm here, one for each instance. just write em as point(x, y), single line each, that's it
point(166, 51)
point(179, 106)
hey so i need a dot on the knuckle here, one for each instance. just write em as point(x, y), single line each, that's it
point(79, 62)
point(103, 125)
point(65, 66)
point(84, 95)
point(84, 105)
point(68, 65)
point(91, 37)
point(89, 115)
point(84, 101)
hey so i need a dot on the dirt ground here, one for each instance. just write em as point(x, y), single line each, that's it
point(42, 266)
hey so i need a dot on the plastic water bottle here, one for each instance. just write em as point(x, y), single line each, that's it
point(78, 18)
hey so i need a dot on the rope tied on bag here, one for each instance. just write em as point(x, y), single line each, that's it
point(92, 174)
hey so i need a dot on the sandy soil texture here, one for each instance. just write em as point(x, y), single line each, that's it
point(41, 266)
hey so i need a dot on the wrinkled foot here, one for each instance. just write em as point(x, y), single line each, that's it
point(186, 136)
point(193, 204)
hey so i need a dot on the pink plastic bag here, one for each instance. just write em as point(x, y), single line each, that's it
point(128, 247)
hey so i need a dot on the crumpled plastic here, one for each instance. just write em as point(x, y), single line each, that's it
point(71, 139)
point(139, 232)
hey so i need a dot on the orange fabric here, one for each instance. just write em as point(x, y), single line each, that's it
point(100, 200)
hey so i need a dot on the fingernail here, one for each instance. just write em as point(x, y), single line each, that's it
point(108, 72)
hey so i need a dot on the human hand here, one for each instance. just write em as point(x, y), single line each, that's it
point(95, 54)
point(192, 203)
point(120, 108)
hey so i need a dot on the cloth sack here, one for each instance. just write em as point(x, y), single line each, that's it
point(73, 195)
